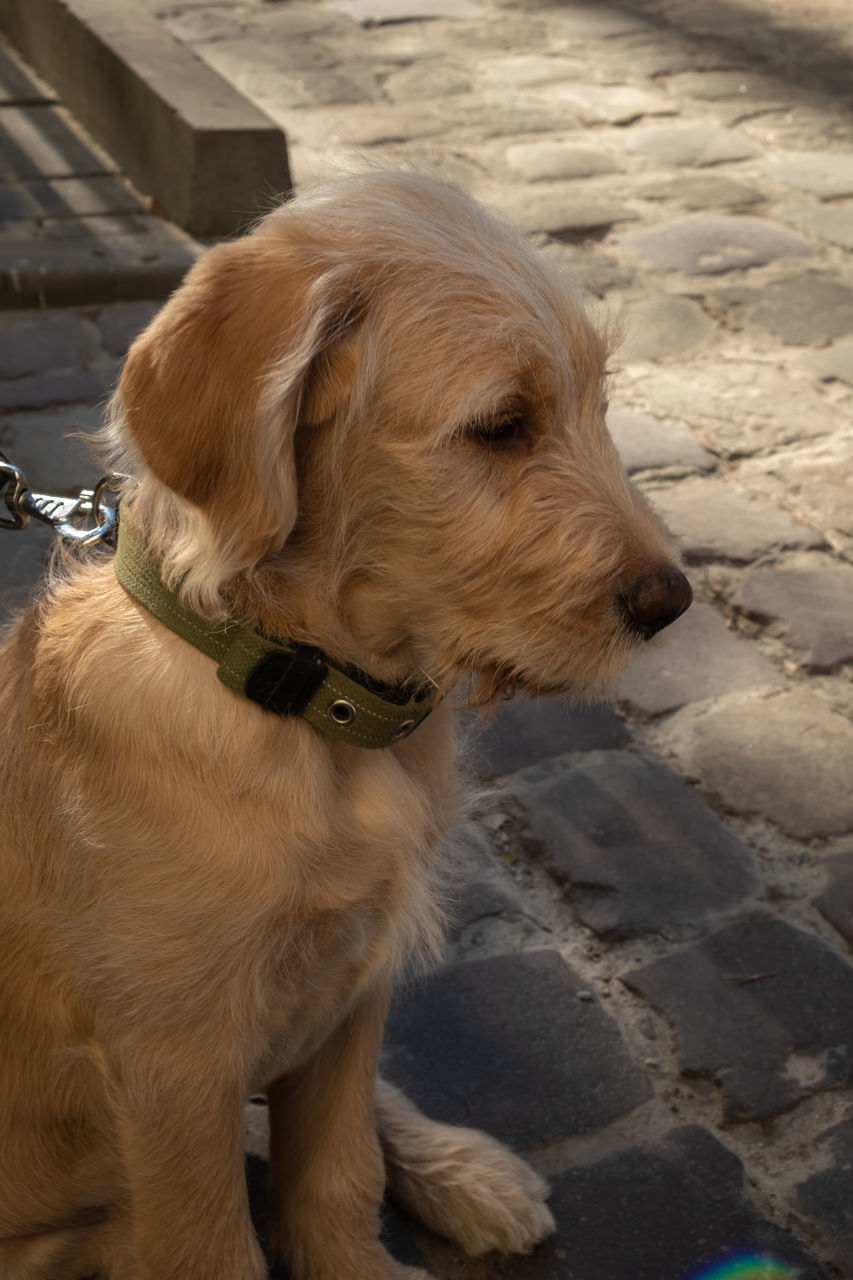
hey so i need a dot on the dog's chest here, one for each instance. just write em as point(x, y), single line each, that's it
point(370, 900)
point(321, 973)
point(310, 994)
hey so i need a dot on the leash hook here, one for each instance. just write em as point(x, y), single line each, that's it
point(64, 515)
point(14, 486)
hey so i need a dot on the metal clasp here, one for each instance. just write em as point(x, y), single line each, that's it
point(14, 484)
point(85, 520)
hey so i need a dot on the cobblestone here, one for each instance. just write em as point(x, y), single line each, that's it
point(526, 70)
point(527, 730)
point(764, 1008)
point(598, 274)
point(699, 659)
point(47, 444)
point(782, 754)
point(580, 21)
point(557, 210)
point(825, 174)
point(827, 1197)
point(836, 901)
point(702, 191)
point(665, 1209)
point(835, 363)
point(60, 386)
point(673, 871)
point(745, 406)
point(118, 325)
point(691, 144)
point(815, 481)
point(712, 246)
point(253, 63)
point(803, 309)
point(832, 222)
point(714, 521)
point(51, 359)
point(508, 1045)
point(807, 601)
point(645, 443)
point(747, 88)
point(370, 12)
point(552, 161)
point(662, 327)
point(37, 343)
point(605, 104)
point(483, 895)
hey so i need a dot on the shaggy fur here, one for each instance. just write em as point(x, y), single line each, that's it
point(376, 424)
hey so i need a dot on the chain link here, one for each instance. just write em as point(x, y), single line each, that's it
point(85, 520)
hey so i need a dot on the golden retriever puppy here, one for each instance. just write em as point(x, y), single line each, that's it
point(370, 463)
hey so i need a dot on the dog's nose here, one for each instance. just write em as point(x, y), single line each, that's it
point(656, 600)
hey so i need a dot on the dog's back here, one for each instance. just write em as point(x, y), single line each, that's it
point(59, 1175)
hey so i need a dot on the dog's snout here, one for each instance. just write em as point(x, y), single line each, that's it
point(656, 600)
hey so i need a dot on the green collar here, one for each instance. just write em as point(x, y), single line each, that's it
point(288, 680)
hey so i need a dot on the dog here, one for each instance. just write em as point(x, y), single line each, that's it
point(368, 437)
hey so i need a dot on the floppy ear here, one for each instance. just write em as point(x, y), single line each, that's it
point(252, 345)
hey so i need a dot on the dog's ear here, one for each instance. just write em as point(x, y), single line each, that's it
point(254, 344)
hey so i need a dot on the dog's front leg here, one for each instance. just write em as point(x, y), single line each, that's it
point(180, 1117)
point(328, 1176)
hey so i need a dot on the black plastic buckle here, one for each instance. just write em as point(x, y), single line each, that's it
point(285, 682)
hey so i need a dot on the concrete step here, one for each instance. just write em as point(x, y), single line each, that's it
point(182, 134)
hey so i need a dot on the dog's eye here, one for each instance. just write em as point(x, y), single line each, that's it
point(499, 430)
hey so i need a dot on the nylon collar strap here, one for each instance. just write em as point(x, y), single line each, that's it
point(284, 679)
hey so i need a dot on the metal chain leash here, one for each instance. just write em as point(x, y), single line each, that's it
point(90, 518)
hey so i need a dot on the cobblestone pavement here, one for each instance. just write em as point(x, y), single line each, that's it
point(649, 988)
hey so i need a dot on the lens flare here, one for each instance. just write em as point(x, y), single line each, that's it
point(746, 1266)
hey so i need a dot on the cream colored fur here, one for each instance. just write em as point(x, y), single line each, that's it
point(200, 899)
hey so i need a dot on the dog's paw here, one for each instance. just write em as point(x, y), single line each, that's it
point(476, 1192)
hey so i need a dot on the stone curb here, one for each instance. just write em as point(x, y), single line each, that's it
point(208, 157)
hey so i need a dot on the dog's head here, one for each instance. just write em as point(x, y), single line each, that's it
point(377, 424)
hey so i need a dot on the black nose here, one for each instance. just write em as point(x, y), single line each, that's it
point(656, 600)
